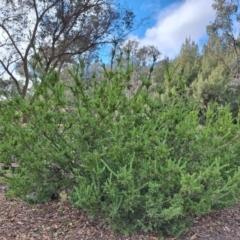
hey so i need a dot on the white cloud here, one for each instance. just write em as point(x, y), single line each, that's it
point(177, 22)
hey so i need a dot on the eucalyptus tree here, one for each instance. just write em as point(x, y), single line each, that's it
point(47, 34)
point(225, 27)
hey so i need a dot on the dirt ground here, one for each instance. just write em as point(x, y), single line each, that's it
point(59, 220)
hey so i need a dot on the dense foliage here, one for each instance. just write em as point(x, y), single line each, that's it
point(136, 161)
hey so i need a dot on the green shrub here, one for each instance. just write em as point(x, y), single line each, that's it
point(136, 162)
point(40, 146)
point(158, 168)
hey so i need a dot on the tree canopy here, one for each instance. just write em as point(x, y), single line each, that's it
point(52, 33)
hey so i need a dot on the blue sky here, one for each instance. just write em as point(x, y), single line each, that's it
point(171, 22)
